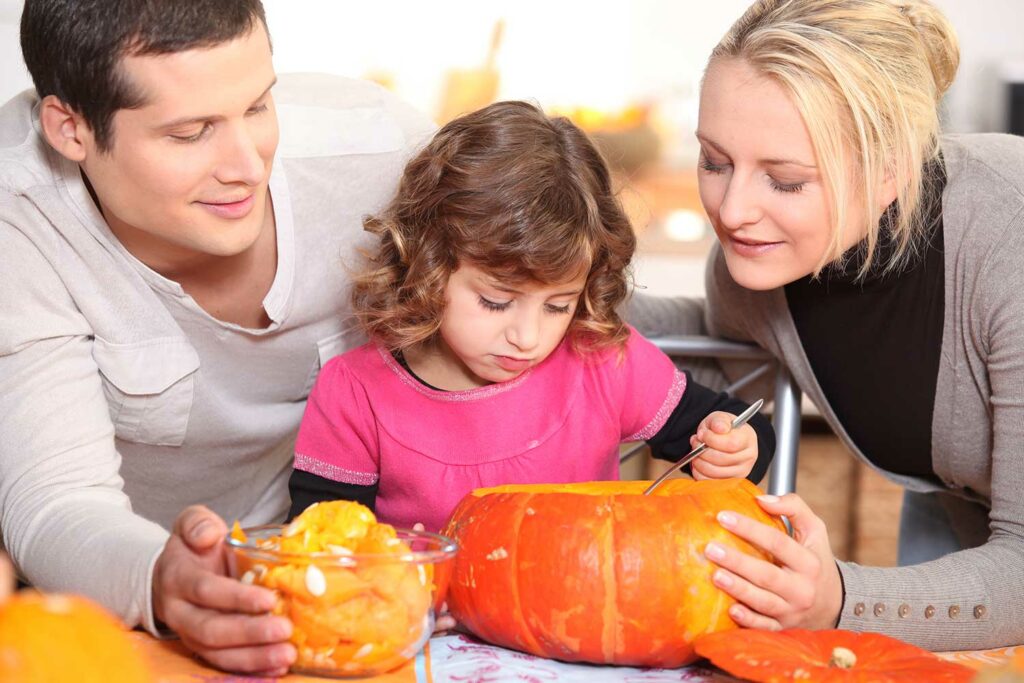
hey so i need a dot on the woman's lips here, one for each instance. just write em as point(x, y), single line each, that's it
point(233, 210)
point(512, 364)
point(751, 247)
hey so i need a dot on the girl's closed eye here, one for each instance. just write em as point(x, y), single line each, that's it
point(493, 305)
point(558, 309)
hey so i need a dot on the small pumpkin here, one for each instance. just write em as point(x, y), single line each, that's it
point(51, 638)
point(826, 656)
point(596, 572)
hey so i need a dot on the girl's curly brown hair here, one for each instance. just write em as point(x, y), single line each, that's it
point(523, 196)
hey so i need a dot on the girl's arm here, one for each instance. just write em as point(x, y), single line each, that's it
point(673, 440)
point(307, 488)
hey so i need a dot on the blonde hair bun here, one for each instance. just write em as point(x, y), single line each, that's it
point(939, 39)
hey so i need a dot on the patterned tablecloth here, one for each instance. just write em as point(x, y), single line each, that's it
point(461, 659)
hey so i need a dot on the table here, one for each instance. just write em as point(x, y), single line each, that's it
point(459, 658)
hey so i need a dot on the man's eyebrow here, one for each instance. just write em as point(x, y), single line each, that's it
point(202, 119)
point(767, 162)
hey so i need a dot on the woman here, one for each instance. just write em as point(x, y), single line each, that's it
point(883, 264)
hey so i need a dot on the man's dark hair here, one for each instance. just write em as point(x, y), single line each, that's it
point(73, 48)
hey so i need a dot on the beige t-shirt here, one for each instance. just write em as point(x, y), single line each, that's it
point(121, 400)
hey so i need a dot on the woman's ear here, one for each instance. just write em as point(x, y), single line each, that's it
point(65, 129)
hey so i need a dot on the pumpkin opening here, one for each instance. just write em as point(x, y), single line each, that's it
point(616, 488)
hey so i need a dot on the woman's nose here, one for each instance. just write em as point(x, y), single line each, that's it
point(739, 205)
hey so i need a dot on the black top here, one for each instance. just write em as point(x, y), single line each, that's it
point(874, 344)
point(670, 443)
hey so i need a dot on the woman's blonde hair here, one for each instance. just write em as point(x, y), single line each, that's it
point(867, 77)
point(523, 196)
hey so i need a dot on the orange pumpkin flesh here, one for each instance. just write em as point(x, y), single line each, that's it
point(53, 637)
point(356, 606)
point(596, 572)
point(827, 656)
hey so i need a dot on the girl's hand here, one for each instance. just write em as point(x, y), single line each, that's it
point(731, 453)
point(804, 591)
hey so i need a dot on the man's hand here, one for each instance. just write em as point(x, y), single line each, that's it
point(224, 621)
point(731, 453)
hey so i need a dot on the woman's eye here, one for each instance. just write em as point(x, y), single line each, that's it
point(786, 187)
point(494, 305)
point(553, 308)
point(706, 165)
point(258, 109)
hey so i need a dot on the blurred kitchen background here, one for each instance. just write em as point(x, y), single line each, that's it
point(628, 72)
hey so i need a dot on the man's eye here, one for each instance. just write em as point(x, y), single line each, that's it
point(185, 139)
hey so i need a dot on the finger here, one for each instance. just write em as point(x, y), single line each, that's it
point(207, 590)
point(808, 528)
point(725, 458)
point(272, 660)
point(705, 470)
point(755, 572)
point(756, 598)
point(733, 441)
point(719, 422)
point(212, 630)
point(200, 528)
point(779, 545)
point(750, 619)
point(444, 622)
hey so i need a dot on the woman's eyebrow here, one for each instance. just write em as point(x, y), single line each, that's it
point(773, 161)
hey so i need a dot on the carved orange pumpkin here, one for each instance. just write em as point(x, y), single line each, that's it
point(836, 655)
point(49, 637)
point(596, 572)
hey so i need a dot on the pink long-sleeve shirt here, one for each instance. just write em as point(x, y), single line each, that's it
point(368, 420)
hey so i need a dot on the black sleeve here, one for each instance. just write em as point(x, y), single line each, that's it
point(306, 489)
point(673, 440)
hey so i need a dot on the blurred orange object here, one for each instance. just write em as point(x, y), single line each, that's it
point(467, 90)
point(54, 638)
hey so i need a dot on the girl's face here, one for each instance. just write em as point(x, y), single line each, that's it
point(492, 331)
point(759, 181)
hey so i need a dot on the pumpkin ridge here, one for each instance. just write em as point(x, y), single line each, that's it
point(527, 630)
point(609, 609)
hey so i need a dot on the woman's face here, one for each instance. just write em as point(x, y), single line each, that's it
point(759, 179)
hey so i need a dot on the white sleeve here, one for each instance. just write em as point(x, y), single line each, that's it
point(64, 516)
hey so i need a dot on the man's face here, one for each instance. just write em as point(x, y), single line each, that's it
point(186, 175)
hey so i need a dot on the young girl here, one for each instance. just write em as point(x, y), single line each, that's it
point(496, 353)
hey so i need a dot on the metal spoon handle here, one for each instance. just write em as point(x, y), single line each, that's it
point(739, 420)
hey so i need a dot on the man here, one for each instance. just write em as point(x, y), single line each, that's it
point(170, 282)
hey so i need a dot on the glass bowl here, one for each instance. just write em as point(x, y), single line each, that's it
point(353, 614)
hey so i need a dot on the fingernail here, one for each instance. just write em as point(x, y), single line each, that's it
point(714, 551)
point(284, 656)
point(722, 579)
point(726, 519)
point(199, 529)
point(768, 498)
point(281, 629)
point(720, 426)
point(736, 612)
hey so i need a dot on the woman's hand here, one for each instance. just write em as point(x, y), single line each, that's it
point(803, 591)
point(731, 453)
point(222, 620)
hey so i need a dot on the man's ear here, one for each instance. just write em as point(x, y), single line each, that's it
point(65, 130)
